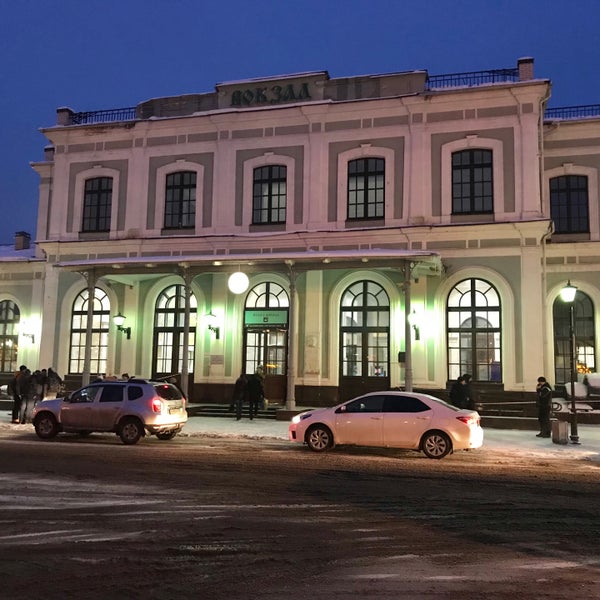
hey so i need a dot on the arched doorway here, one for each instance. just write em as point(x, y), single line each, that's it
point(364, 333)
point(266, 315)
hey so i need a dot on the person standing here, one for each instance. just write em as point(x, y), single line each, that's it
point(469, 392)
point(16, 394)
point(544, 404)
point(27, 386)
point(240, 394)
point(256, 393)
point(458, 393)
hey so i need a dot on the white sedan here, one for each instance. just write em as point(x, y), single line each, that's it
point(390, 419)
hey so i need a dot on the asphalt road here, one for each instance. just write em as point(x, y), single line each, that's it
point(214, 518)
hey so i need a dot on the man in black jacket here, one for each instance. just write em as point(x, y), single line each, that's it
point(544, 404)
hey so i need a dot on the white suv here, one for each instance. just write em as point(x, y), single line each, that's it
point(128, 408)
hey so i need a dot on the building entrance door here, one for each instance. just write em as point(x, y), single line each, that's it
point(266, 349)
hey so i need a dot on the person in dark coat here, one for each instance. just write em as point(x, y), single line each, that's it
point(469, 392)
point(458, 393)
point(256, 393)
point(240, 394)
point(16, 394)
point(27, 386)
point(544, 405)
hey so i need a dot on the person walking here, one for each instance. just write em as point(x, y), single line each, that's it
point(544, 404)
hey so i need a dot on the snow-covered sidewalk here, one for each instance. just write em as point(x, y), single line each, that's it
point(505, 440)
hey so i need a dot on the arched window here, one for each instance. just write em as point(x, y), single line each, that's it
point(266, 324)
point(169, 315)
point(474, 331)
point(180, 200)
point(364, 329)
point(585, 342)
point(97, 204)
point(100, 327)
point(9, 335)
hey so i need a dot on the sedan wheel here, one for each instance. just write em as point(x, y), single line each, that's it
point(319, 438)
point(436, 444)
point(131, 431)
point(46, 426)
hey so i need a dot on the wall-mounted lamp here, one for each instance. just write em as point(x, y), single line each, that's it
point(211, 324)
point(414, 319)
point(118, 320)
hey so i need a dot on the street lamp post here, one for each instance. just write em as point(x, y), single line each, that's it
point(568, 295)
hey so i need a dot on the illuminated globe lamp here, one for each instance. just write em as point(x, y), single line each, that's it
point(238, 282)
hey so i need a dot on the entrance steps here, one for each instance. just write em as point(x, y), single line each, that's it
point(223, 411)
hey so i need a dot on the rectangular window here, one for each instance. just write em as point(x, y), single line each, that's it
point(366, 188)
point(569, 207)
point(180, 200)
point(472, 182)
point(269, 194)
point(97, 204)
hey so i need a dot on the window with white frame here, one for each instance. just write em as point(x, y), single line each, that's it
point(584, 327)
point(473, 315)
point(10, 317)
point(99, 331)
point(169, 327)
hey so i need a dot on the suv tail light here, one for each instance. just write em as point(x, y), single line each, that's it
point(156, 405)
point(470, 420)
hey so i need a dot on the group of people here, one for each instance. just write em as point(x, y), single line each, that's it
point(250, 389)
point(461, 396)
point(28, 388)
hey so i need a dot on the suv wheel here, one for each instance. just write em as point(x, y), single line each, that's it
point(131, 431)
point(46, 426)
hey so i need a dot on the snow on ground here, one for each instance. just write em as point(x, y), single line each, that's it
point(524, 443)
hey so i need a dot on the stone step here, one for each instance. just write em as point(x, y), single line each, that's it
point(223, 411)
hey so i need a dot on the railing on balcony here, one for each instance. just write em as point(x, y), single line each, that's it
point(572, 112)
point(103, 116)
point(472, 79)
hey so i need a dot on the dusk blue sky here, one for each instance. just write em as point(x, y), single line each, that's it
point(92, 55)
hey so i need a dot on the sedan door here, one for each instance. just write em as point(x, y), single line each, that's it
point(405, 419)
point(360, 421)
